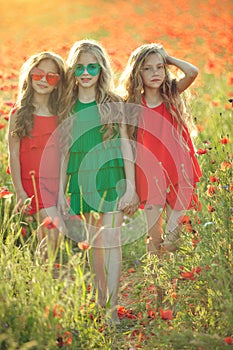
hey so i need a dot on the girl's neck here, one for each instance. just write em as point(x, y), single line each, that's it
point(41, 105)
point(86, 95)
point(152, 97)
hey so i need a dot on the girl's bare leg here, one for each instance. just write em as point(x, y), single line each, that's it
point(173, 230)
point(96, 256)
point(113, 258)
point(154, 229)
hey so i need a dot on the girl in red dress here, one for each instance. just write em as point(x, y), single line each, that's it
point(166, 167)
point(33, 143)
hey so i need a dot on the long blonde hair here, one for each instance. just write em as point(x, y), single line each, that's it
point(107, 101)
point(24, 104)
point(132, 89)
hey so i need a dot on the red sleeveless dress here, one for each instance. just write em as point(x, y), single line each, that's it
point(40, 160)
point(167, 169)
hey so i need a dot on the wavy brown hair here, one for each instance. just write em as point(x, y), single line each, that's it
point(108, 102)
point(131, 88)
point(24, 104)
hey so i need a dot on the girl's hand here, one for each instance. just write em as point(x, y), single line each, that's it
point(164, 54)
point(62, 205)
point(21, 198)
point(129, 203)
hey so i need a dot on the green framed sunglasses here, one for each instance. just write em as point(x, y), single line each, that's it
point(92, 68)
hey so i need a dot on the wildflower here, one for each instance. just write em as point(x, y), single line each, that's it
point(151, 313)
point(210, 208)
point(166, 314)
point(4, 193)
point(121, 311)
point(210, 191)
point(2, 126)
point(23, 231)
point(228, 340)
point(225, 165)
point(60, 341)
point(213, 179)
point(58, 311)
point(185, 220)
point(49, 223)
point(67, 338)
point(196, 239)
point(131, 270)
point(83, 245)
point(215, 103)
point(190, 275)
point(225, 140)
point(129, 314)
point(8, 170)
point(201, 151)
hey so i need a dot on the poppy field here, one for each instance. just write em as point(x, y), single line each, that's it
point(54, 307)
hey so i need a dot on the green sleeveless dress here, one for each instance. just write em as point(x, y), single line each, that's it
point(96, 168)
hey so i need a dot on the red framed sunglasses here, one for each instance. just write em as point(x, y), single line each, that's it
point(52, 78)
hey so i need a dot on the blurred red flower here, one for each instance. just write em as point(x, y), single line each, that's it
point(210, 208)
point(213, 179)
point(83, 245)
point(201, 151)
point(228, 340)
point(4, 193)
point(225, 165)
point(49, 223)
point(166, 314)
point(225, 140)
point(210, 191)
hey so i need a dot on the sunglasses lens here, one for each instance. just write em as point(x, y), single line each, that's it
point(37, 76)
point(52, 78)
point(79, 70)
point(93, 69)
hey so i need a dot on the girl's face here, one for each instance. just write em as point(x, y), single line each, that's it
point(45, 77)
point(153, 71)
point(87, 61)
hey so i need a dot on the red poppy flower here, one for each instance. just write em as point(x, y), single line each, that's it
point(83, 245)
point(210, 208)
point(121, 311)
point(8, 170)
point(224, 140)
point(166, 314)
point(4, 193)
point(225, 165)
point(201, 151)
point(210, 191)
point(228, 340)
point(58, 311)
point(67, 338)
point(213, 179)
point(23, 231)
point(188, 275)
point(49, 223)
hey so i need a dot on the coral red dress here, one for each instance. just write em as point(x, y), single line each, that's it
point(40, 160)
point(167, 169)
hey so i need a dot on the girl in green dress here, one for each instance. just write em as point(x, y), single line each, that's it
point(100, 165)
